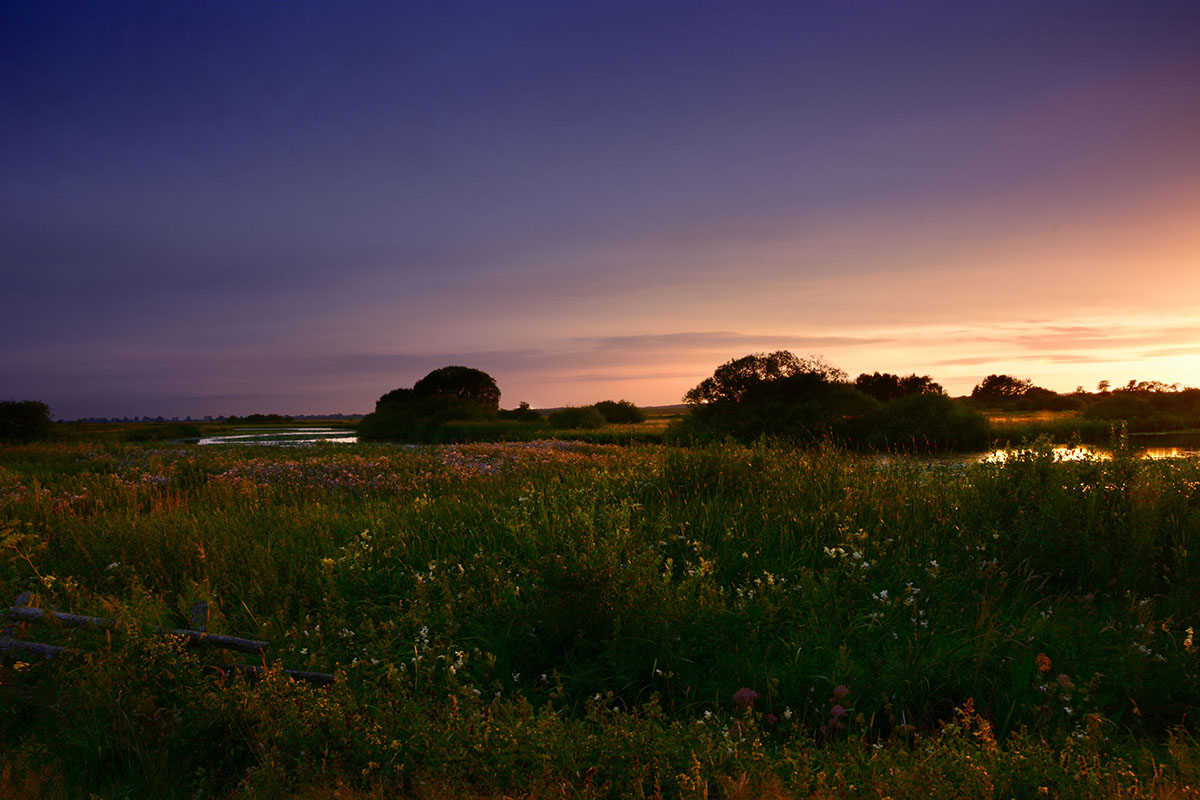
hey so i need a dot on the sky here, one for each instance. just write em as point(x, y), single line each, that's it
point(239, 206)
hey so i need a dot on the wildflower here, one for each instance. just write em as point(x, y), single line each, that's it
point(840, 691)
point(745, 697)
point(1042, 662)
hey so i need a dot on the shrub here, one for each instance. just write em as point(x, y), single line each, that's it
point(577, 417)
point(25, 421)
point(417, 414)
point(930, 422)
point(620, 412)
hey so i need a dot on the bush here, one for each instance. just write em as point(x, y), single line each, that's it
point(26, 421)
point(620, 412)
point(418, 414)
point(929, 422)
point(1121, 406)
point(577, 417)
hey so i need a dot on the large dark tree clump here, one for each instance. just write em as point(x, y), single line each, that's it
point(1019, 394)
point(460, 384)
point(24, 421)
point(885, 386)
point(447, 394)
point(1001, 387)
point(774, 394)
point(734, 379)
point(808, 400)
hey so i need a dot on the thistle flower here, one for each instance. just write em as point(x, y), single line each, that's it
point(745, 697)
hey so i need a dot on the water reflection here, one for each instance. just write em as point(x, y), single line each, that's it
point(284, 436)
point(1086, 452)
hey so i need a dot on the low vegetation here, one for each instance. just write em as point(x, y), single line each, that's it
point(558, 619)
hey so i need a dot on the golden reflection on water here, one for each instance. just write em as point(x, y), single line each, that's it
point(1085, 453)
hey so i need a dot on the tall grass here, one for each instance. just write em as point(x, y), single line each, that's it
point(504, 617)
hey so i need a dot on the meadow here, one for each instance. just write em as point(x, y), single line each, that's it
point(559, 619)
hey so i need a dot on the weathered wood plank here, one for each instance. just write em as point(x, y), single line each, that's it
point(13, 647)
point(20, 647)
point(39, 615)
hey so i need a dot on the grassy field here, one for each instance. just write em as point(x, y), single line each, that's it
point(550, 619)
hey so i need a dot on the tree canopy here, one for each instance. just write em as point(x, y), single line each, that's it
point(1001, 387)
point(460, 383)
point(809, 400)
point(445, 394)
point(24, 421)
point(884, 386)
point(732, 380)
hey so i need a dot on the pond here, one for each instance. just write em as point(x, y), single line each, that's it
point(1153, 445)
point(284, 436)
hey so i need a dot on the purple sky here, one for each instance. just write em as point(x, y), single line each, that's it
point(294, 207)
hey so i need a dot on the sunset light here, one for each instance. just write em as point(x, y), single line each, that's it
point(228, 208)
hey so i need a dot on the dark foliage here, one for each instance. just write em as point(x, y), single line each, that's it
point(577, 417)
point(1001, 387)
point(522, 413)
point(778, 395)
point(233, 419)
point(460, 383)
point(806, 400)
point(732, 380)
point(1019, 394)
point(620, 412)
point(885, 386)
point(418, 414)
point(24, 421)
point(928, 423)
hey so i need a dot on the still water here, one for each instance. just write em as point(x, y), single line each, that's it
point(1176, 445)
point(284, 436)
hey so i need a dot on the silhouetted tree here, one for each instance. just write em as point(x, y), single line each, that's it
point(576, 417)
point(730, 382)
point(24, 421)
point(1001, 387)
point(460, 383)
point(776, 394)
point(620, 412)
point(417, 414)
point(884, 386)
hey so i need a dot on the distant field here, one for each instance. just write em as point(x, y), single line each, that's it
point(558, 619)
point(1026, 417)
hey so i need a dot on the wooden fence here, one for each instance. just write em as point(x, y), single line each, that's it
point(196, 636)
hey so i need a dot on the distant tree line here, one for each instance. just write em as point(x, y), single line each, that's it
point(1144, 406)
point(234, 419)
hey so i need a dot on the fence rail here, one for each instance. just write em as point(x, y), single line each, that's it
point(22, 612)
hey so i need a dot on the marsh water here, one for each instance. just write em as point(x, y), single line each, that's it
point(1170, 445)
point(284, 436)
